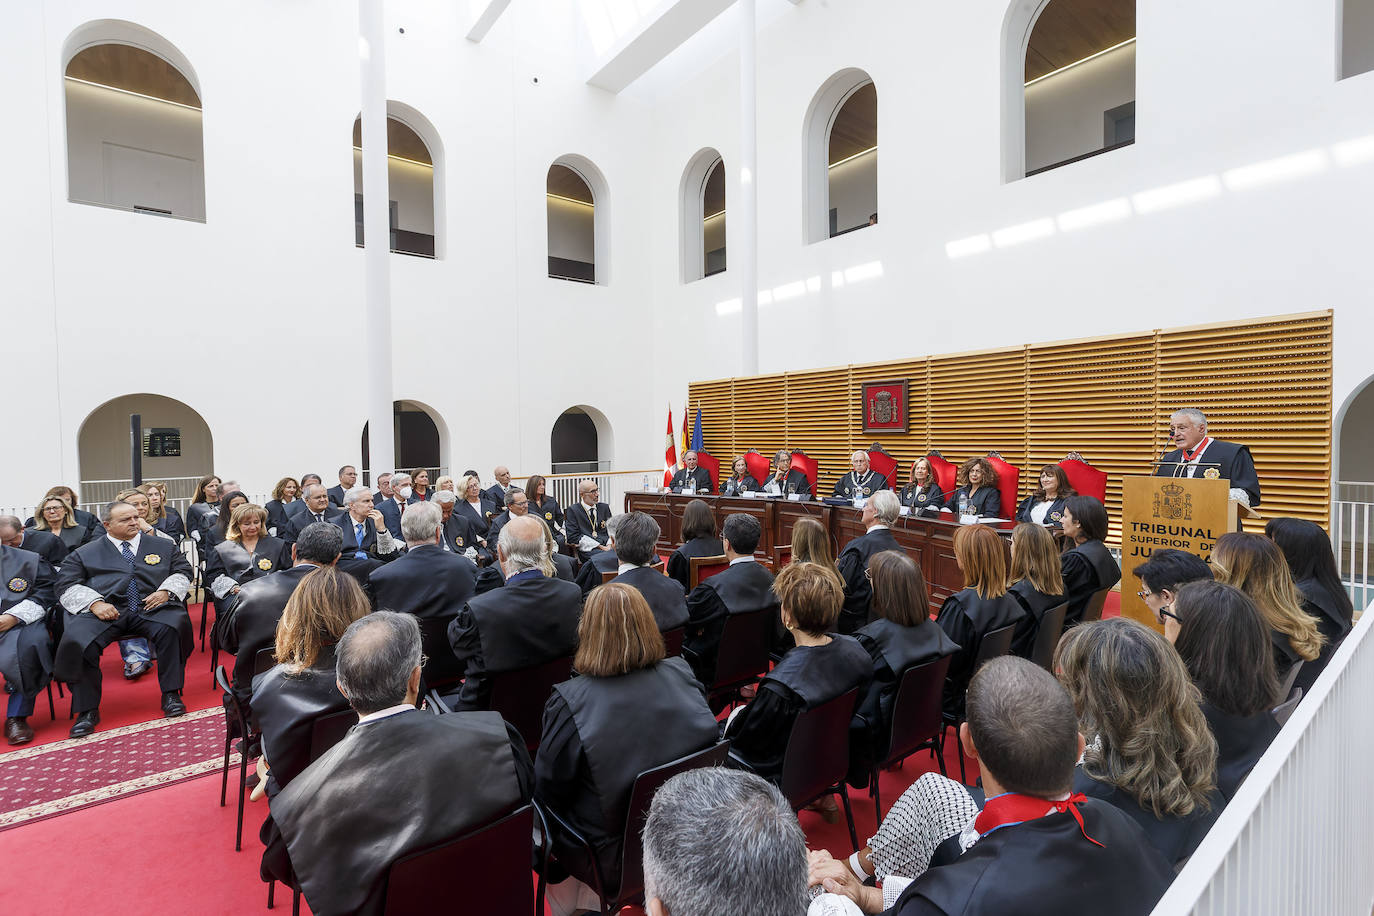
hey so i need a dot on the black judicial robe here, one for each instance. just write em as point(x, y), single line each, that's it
point(25, 649)
point(336, 495)
point(171, 523)
point(1285, 656)
point(807, 677)
point(598, 562)
point(666, 597)
point(743, 587)
point(599, 734)
point(529, 620)
point(1035, 603)
point(795, 482)
point(277, 516)
point(893, 650)
point(966, 617)
point(497, 494)
point(985, 503)
point(551, 514)
point(229, 558)
point(578, 522)
point(852, 485)
point(679, 561)
point(1333, 620)
point(1174, 838)
point(700, 478)
point(44, 543)
point(494, 529)
point(924, 501)
point(853, 564)
point(1087, 568)
point(285, 706)
point(426, 581)
point(1236, 465)
point(199, 518)
point(734, 486)
point(1046, 867)
point(459, 535)
point(390, 788)
point(1053, 518)
point(249, 624)
point(101, 567)
point(1241, 742)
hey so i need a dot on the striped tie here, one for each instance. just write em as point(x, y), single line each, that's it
point(131, 598)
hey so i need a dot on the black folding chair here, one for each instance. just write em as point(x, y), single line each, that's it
point(817, 757)
point(235, 726)
point(264, 660)
point(1047, 636)
point(917, 720)
point(520, 695)
point(1093, 610)
point(742, 655)
point(443, 668)
point(994, 645)
point(672, 641)
point(631, 888)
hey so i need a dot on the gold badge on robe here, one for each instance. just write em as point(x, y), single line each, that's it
point(1211, 473)
point(548, 515)
point(18, 584)
point(152, 559)
point(867, 491)
point(264, 564)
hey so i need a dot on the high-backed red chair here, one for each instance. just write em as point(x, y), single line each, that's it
point(945, 474)
point(1085, 478)
point(880, 461)
point(1008, 483)
point(808, 466)
point(757, 465)
point(712, 465)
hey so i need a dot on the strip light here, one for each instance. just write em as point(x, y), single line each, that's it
point(1083, 61)
point(863, 152)
point(570, 200)
point(151, 98)
point(423, 165)
point(713, 215)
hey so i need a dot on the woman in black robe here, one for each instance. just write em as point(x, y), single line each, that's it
point(740, 480)
point(545, 508)
point(1312, 563)
point(1087, 566)
point(284, 494)
point(923, 494)
point(976, 493)
point(1046, 505)
point(1036, 582)
point(982, 606)
point(204, 508)
point(246, 553)
point(699, 539)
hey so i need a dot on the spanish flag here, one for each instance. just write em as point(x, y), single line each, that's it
point(669, 451)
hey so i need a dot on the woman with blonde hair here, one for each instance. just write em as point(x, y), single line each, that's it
point(1150, 751)
point(982, 606)
point(629, 710)
point(54, 516)
point(976, 490)
point(811, 544)
point(1255, 565)
point(478, 510)
point(246, 553)
point(923, 493)
point(288, 698)
point(1035, 581)
point(161, 515)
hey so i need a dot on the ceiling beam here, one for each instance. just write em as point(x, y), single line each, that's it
point(660, 34)
point(490, 14)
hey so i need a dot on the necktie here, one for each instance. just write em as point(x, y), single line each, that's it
point(319, 516)
point(360, 554)
point(131, 599)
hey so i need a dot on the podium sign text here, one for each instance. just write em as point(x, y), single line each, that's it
point(1159, 513)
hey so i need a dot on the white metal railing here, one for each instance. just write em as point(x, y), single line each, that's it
point(613, 485)
point(1296, 837)
point(1356, 491)
point(1352, 523)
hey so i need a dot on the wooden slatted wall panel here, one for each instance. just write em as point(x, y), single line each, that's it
point(818, 421)
point(978, 404)
point(717, 402)
point(1266, 384)
point(760, 414)
point(905, 449)
point(1096, 397)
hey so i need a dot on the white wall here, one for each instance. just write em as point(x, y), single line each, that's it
point(1064, 112)
point(854, 190)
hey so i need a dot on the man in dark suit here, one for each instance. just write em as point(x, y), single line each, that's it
point(530, 620)
point(586, 521)
point(502, 487)
point(698, 479)
point(861, 482)
point(1199, 455)
point(786, 480)
point(119, 585)
point(315, 508)
point(366, 542)
point(427, 581)
point(348, 476)
point(383, 490)
point(745, 586)
point(600, 561)
point(636, 534)
point(250, 623)
point(297, 506)
point(25, 647)
point(879, 513)
point(394, 507)
point(47, 545)
point(517, 506)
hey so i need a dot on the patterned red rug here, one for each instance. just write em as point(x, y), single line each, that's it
point(50, 779)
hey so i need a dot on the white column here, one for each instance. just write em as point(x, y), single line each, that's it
point(744, 222)
point(377, 237)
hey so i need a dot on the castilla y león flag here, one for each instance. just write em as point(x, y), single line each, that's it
point(669, 451)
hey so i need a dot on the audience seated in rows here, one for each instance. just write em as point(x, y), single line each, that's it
point(635, 539)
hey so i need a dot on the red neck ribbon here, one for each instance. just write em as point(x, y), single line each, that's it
point(1189, 456)
point(1011, 808)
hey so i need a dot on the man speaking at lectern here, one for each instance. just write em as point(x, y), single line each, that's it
point(1199, 455)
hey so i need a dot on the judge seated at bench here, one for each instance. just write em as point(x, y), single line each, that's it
point(976, 493)
point(1199, 455)
point(923, 494)
point(785, 479)
point(740, 480)
point(689, 478)
point(861, 482)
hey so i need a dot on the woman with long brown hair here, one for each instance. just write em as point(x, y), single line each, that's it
point(284, 495)
point(811, 544)
point(629, 710)
point(700, 538)
point(545, 507)
point(982, 606)
point(204, 507)
point(1150, 752)
point(976, 490)
point(162, 515)
point(1045, 506)
point(1035, 581)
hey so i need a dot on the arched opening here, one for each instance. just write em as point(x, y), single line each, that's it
point(576, 198)
point(1355, 438)
point(415, 179)
point(702, 205)
point(133, 111)
point(1357, 37)
point(1068, 82)
point(1352, 490)
point(581, 441)
point(840, 178)
point(175, 444)
point(420, 439)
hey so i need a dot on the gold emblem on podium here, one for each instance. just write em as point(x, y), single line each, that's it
point(1172, 503)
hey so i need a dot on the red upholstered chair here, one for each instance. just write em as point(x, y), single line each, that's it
point(712, 465)
point(1008, 483)
point(946, 474)
point(880, 461)
point(757, 465)
point(808, 466)
point(1085, 478)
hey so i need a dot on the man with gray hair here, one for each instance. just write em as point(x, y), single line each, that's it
point(1199, 455)
point(389, 787)
point(517, 504)
point(636, 537)
point(601, 561)
point(723, 841)
point(861, 482)
point(393, 508)
point(427, 581)
point(586, 521)
point(502, 488)
point(690, 478)
point(879, 514)
point(367, 544)
point(530, 620)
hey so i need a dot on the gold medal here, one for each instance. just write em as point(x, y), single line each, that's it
point(152, 559)
point(264, 564)
point(1211, 473)
point(18, 584)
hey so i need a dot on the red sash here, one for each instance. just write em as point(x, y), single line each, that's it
point(1011, 808)
point(1192, 456)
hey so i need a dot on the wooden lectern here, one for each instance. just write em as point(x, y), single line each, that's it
point(1183, 513)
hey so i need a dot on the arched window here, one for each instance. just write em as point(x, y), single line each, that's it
point(1357, 37)
point(581, 441)
point(177, 445)
point(1069, 82)
point(579, 223)
point(840, 190)
point(420, 440)
point(414, 171)
point(702, 204)
point(134, 137)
